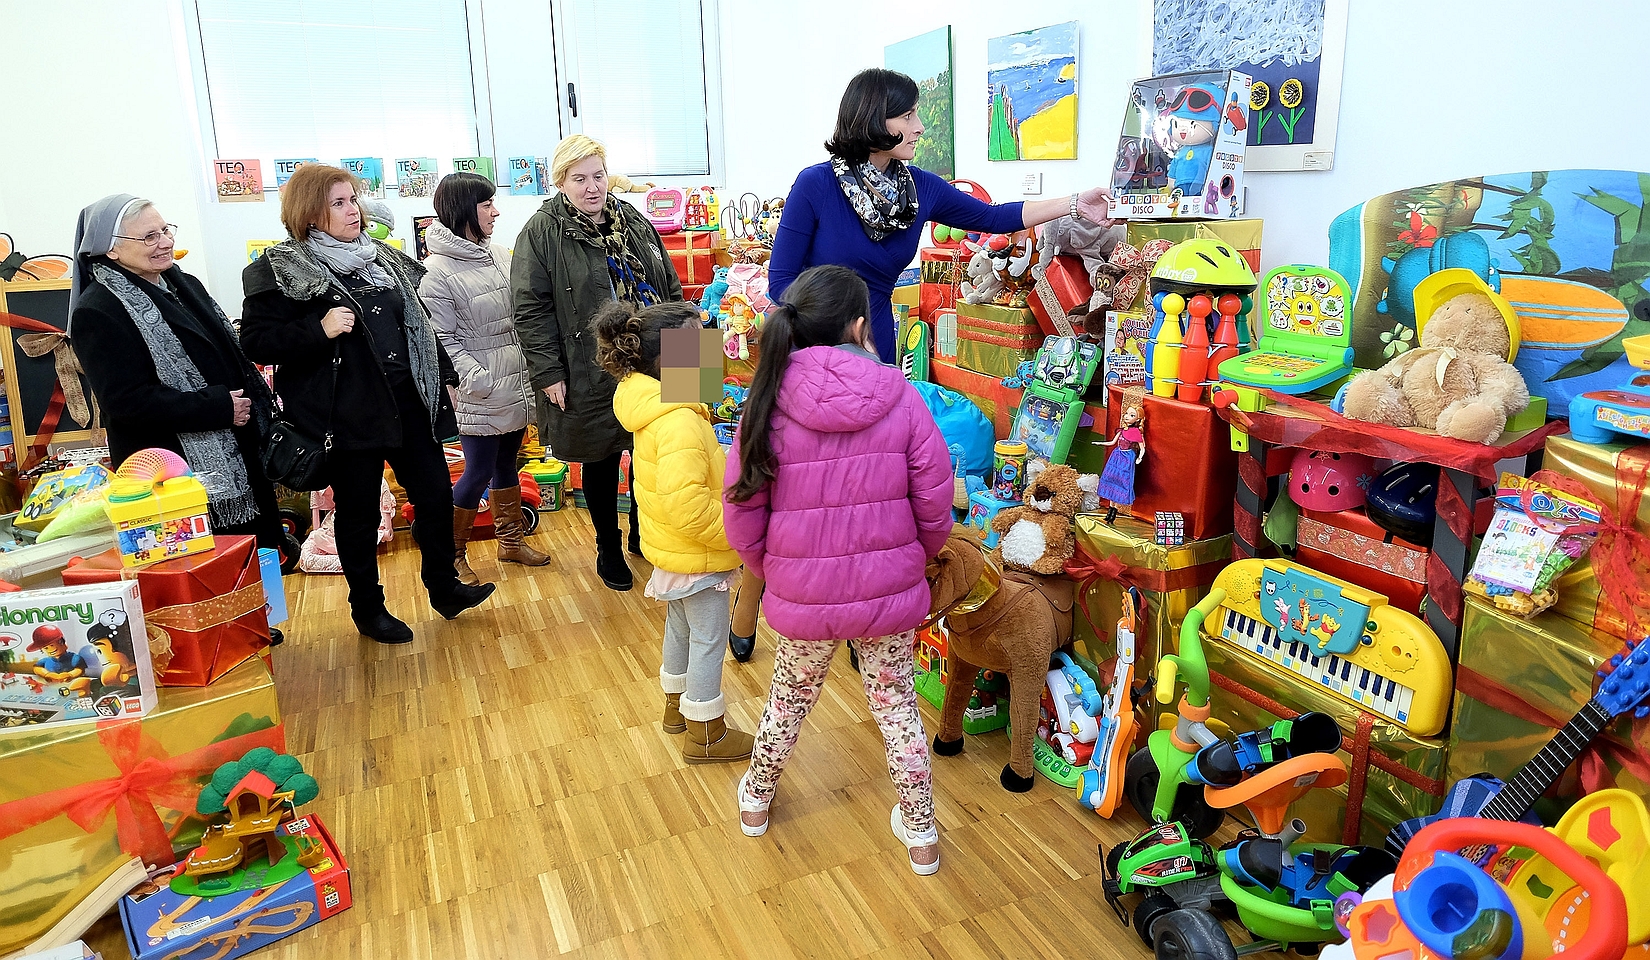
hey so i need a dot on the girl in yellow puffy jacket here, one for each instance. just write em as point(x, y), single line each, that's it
point(676, 474)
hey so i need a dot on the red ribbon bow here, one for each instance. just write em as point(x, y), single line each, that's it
point(1622, 554)
point(1137, 264)
point(148, 778)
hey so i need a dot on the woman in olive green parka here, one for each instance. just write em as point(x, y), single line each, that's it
point(581, 249)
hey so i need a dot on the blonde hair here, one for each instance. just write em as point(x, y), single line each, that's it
point(570, 151)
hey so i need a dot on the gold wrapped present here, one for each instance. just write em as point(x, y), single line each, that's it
point(77, 803)
point(995, 340)
point(1614, 474)
point(1171, 581)
point(1387, 798)
point(1518, 682)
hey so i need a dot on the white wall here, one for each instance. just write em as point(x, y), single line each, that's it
point(1493, 87)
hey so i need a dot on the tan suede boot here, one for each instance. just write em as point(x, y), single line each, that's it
point(463, 520)
point(508, 530)
point(713, 741)
point(673, 722)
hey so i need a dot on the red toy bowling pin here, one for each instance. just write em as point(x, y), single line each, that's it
point(1226, 335)
point(1194, 350)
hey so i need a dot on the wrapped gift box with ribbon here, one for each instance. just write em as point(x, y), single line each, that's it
point(210, 606)
point(1518, 683)
point(1171, 579)
point(995, 340)
point(78, 803)
point(1610, 588)
point(1146, 240)
point(1347, 544)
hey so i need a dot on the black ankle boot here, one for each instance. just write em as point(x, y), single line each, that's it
point(612, 568)
point(380, 625)
point(460, 597)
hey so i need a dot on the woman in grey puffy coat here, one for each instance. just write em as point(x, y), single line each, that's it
point(467, 294)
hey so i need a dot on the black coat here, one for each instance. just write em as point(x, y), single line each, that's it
point(277, 329)
point(140, 411)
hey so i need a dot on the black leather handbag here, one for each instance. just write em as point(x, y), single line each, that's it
point(292, 457)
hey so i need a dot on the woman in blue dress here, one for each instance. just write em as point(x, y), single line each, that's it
point(865, 207)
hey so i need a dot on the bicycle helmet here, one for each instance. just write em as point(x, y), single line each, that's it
point(1329, 481)
point(1202, 264)
point(1403, 501)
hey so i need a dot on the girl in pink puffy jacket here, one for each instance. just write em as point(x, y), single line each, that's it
point(838, 494)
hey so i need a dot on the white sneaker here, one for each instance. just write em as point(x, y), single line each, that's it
point(919, 846)
point(749, 810)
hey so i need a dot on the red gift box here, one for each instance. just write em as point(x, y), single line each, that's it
point(942, 273)
point(1071, 286)
point(1347, 544)
point(210, 605)
point(693, 254)
point(1190, 467)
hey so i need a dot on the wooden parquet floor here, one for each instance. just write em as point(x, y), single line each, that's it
point(502, 789)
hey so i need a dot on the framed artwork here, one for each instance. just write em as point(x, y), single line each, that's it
point(1293, 51)
point(927, 60)
point(1032, 81)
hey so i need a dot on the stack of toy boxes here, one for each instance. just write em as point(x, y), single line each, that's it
point(1520, 680)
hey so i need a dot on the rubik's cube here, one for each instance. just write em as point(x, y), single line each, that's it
point(1171, 528)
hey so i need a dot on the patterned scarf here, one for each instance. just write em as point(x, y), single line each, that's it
point(886, 201)
point(214, 455)
point(358, 257)
point(624, 268)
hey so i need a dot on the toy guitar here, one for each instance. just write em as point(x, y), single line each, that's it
point(1626, 685)
point(1101, 787)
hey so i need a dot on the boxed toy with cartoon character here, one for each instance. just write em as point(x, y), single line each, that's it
point(160, 922)
point(1181, 151)
point(74, 654)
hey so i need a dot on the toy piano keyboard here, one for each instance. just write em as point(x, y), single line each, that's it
point(1345, 639)
point(1305, 338)
point(1597, 414)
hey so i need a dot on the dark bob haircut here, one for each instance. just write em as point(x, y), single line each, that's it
point(873, 98)
point(456, 199)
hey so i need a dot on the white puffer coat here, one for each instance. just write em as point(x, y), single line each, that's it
point(467, 294)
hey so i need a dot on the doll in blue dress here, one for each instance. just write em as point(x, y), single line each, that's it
point(1128, 450)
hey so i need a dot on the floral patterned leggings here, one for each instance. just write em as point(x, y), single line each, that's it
point(798, 677)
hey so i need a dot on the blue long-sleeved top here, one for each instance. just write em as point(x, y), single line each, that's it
point(819, 226)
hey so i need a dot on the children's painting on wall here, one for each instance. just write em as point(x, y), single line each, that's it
point(927, 60)
point(1293, 52)
point(1565, 248)
point(1033, 94)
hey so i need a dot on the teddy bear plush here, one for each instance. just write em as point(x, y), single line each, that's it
point(1037, 536)
point(1456, 382)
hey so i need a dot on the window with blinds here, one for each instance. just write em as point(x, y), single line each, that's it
point(639, 71)
point(331, 79)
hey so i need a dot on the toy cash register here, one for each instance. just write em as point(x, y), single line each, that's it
point(1596, 414)
point(1052, 407)
point(1305, 339)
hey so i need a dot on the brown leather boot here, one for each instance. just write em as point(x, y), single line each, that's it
point(713, 741)
point(673, 721)
point(463, 520)
point(508, 530)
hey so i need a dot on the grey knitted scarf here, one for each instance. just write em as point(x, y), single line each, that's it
point(214, 455)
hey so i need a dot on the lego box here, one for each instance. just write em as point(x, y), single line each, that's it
point(74, 654)
point(162, 923)
point(1180, 155)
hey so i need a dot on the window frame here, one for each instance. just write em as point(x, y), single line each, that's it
point(564, 68)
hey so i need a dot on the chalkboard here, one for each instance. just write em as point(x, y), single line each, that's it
point(31, 380)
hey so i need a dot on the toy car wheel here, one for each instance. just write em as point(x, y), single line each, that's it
point(1190, 935)
point(529, 519)
point(1140, 778)
point(291, 549)
point(296, 524)
point(1154, 906)
point(1114, 860)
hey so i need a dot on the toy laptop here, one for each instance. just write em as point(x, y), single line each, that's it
point(74, 654)
point(1597, 414)
point(1052, 407)
point(1305, 334)
point(666, 208)
point(1180, 154)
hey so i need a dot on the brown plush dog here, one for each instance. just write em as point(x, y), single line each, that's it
point(1015, 633)
point(1038, 536)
